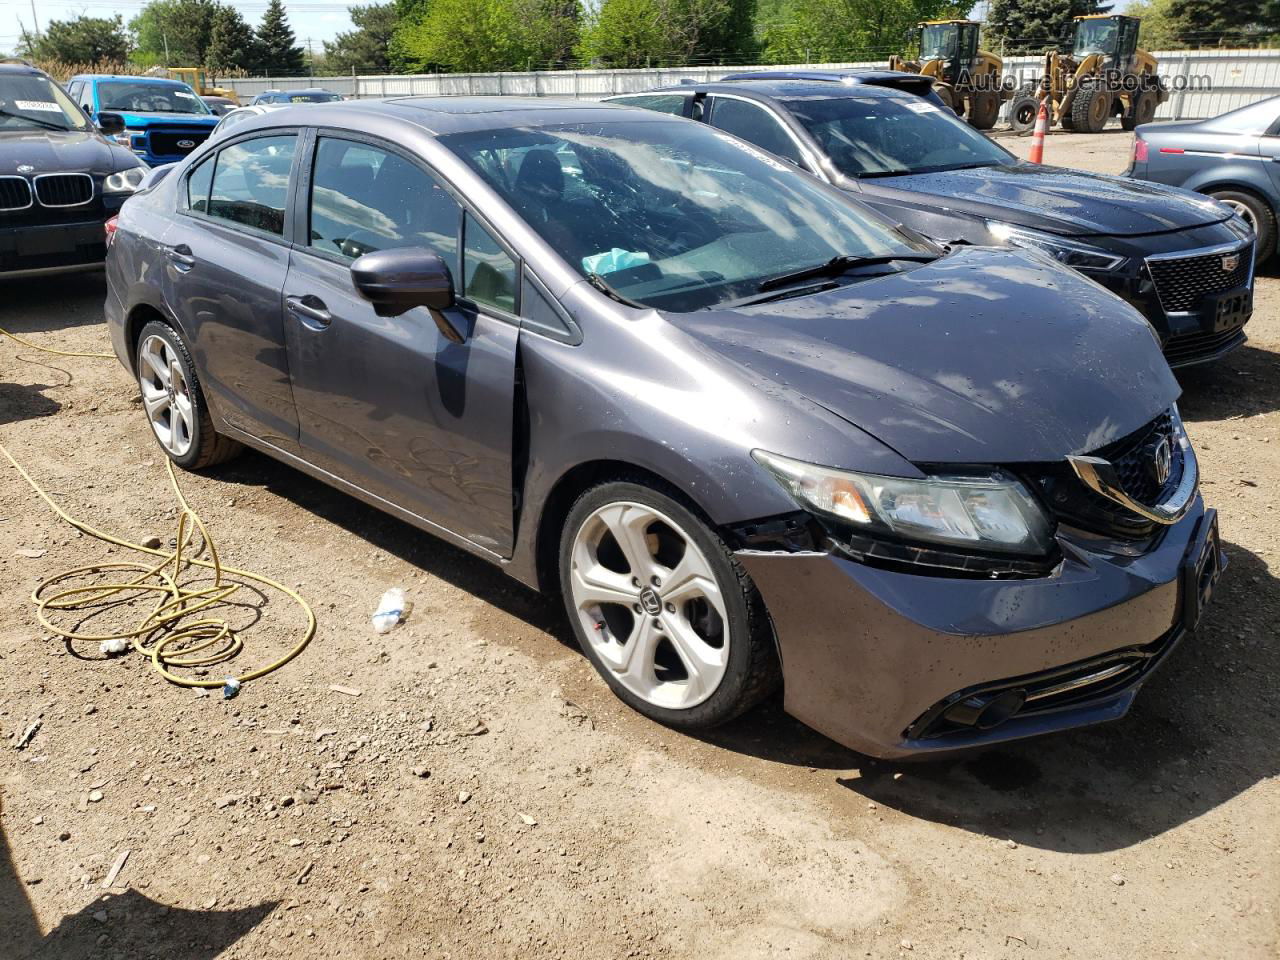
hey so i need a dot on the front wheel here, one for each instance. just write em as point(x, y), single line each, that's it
point(662, 609)
point(174, 403)
point(1255, 212)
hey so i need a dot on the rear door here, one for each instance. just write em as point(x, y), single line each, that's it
point(388, 403)
point(226, 258)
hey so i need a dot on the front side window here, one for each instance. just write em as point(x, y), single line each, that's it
point(886, 136)
point(938, 42)
point(139, 97)
point(670, 214)
point(251, 182)
point(1095, 36)
point(755, 125)
point(34, 102)
point(489, 273)
point(365, 198)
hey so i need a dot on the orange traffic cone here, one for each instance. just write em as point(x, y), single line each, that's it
point(1037, 137)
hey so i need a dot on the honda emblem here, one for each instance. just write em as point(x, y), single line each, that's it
point(1230, 262)
point(1162, 461)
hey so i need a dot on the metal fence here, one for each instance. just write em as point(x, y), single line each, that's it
point(1215, 80)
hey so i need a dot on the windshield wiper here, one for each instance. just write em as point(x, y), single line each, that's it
point(838, 265)
point(47, 124)
point(602, 285)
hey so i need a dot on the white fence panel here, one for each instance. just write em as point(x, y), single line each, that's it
point(1215, 80)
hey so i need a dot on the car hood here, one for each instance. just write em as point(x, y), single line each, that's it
point(194, 121)
point(984, 356)
point(1057, 200)
point(55, 151)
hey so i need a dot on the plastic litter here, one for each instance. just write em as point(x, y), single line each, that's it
point(114, 646)
point(391, 611)
point(230, 689)
point(614, 260)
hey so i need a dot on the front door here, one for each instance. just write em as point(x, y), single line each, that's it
point(388, 403)
point(226, 258)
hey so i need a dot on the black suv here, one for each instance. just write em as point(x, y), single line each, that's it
point(60, 178)
point(1184, 260)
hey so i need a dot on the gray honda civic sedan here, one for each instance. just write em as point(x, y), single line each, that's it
point(752, 431)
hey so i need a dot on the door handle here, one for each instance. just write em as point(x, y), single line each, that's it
point(310, 310)
point(181, 257)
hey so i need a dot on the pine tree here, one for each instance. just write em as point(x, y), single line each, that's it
point(276, 49)
point(1032, 25)
point(232, 45)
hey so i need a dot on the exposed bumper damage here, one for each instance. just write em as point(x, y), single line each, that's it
point(895, 664)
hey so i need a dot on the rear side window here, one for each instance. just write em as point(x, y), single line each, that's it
point(364, 198)
point(198, 186)
point(251, 182)
point(755, 125)
point(489, 272)
point(662, 103)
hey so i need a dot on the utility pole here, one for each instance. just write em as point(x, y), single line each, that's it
point(165, 37)
point(311, 59)
point(35, 19)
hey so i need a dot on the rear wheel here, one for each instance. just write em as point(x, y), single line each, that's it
point(1090, 110)
point(947, 97)
point(984, 110)
point(174, 403)
point(1257, 214)
point(1144, 109)
point(662, 608)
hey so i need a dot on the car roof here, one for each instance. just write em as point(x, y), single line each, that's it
point(793, 87)
point(21, 68)
point(444, 115)
point(116, 76)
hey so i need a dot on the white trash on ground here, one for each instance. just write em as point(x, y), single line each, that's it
point(392, 610)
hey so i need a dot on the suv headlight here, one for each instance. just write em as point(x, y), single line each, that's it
point(1079, 256)
point(125, 181)
point(993, 512)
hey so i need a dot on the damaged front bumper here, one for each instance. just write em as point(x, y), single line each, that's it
point(897, 664)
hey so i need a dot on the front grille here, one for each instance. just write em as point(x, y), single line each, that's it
point(64, 189)
point(1182, 282)
point(1190, 347)
point(1073, 503)
point(15, 193)
point(169, 143)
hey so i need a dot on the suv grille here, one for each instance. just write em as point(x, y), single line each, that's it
point(170, 143)
point(1189, 347)
point(15, 193)
point(1182, 282)
point(64, 189)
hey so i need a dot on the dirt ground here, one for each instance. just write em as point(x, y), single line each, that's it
point(485, 796)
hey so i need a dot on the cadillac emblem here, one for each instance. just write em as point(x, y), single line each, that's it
point(1230, 262)
point(1162, 461)
point(190, 145)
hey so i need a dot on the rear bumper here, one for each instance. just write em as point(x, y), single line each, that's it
point(873, 658)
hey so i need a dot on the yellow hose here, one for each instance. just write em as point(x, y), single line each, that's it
point(61, 353)
point(162, 635)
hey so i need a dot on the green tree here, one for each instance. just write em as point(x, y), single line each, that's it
point(174, 30)
point(409, 14)
point(471, 36)
point(277, 50)
point(836, 30)
point(1224, 22)
point(1160, 30)
point(83, 40)
point(232, 45)
point(1030, 26)
point(365, 49)
point(631, 33)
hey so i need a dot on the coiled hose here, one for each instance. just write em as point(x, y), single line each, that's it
point(166, 635)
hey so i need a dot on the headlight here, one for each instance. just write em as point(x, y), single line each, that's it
point(1080, 256)
point(1240, 226)
point(993, 512)
point(126, 181)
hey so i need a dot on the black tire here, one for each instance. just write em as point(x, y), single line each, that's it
point(1262, 216)
point(1090, 110)
point(752, 670)
point(1144, 109)
point(984, 110)
point(1022, 114)
point(208, 447)
point(945, 95)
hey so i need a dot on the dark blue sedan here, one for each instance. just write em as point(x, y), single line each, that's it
point(1234, 158)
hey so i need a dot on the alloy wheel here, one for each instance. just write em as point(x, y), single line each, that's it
point(166, 395)
point(650, 605)
point(1245, 212)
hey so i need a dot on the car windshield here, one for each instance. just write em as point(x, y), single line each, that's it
point(1094, 36)
point(671, 214)
point(308, 97)
point(143, 97)
point(879, 136)
point(34, 102)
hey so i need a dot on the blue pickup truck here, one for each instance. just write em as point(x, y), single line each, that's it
point(164, 119)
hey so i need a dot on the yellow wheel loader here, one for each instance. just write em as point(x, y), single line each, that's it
point(198, 80)
point(967, 78)
point(1097, 73)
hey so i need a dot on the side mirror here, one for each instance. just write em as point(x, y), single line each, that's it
point(110, 124)
point(397, 280)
